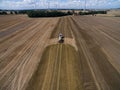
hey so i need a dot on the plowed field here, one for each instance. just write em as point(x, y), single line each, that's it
point(32, 59)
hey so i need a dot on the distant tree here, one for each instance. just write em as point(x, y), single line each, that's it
point(11, 12)
point(3, 13)
point(15, 12)
point(23, 11)
point(73, 11)
point(69, 13)
point(92, 12)
point(44, 13)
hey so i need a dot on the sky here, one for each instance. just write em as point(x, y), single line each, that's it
point(62, 4)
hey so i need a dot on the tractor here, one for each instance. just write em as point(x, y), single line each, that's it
point(61, 38)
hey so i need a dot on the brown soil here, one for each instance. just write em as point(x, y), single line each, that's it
point(93, 63)
point(105, 75)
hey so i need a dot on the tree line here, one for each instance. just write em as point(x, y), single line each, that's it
point(3, 13)
point(10, 12)
point(51, 13)
point(47, 13)
point(92, 12)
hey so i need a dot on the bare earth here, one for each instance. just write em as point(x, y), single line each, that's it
point(32, 59)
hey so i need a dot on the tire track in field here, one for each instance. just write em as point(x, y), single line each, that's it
point(51, 73)
point(59, 68)
point(47, 81)
point(8, 26)
point(26, 62)
point(64, 80)
point(35, 58)
point(44, 79)
point(54, 72)
point(14, 29)
point(103, 36)
point(9, 41)
point(62, 27)
point(88, 81)
point(8, 56)
point(25, 50)
point(108, 72)
point(12, 23)
point(27, 58)
point(9, 36)
point(56, 31)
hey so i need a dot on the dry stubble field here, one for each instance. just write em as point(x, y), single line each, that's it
point(32, 59)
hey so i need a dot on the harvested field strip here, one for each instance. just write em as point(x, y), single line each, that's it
point(7, 21)
point(67, 28)
point(7, 57)
point(87, 78)
point(10, 24)
point(27, 50)
point(94, 63)
point(23, 46)
point(57, 70)
point(55, 31)
point(6, 26)
point(63, 27)
point(104, 36)
point(14, 29)
point(6, 18)
point(101, 25)
point(26, 54)
point(15, 33)
point(108, 72)
point(16, 39)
